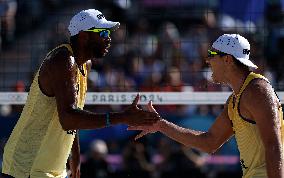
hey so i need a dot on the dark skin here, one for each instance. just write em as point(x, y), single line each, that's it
point(58, 79)
point(258, 102)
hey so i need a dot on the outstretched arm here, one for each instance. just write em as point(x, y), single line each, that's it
point(62, 78)
point(209, 141)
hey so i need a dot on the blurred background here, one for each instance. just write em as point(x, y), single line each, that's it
point(161, 45)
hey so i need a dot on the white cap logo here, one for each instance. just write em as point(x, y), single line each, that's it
point(237, 46)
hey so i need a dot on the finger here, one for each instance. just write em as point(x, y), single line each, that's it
point(135, 101)
point(149, 106)
point(152, 107)
point(140, 135)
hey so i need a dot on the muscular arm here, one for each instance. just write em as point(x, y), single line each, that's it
point(209, 141)
point(75, 157)
point(262, 104)
point(62, 78)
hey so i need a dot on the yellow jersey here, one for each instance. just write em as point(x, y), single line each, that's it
point(38, 146)
point(252, 153)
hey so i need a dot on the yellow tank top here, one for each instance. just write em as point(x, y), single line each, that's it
point(252, 155)
point(38, 146)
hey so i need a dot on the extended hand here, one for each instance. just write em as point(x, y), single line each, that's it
point(149, 128)
point(137, 117)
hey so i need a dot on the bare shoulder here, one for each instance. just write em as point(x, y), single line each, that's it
point(259, 94)
point(57, 63)
point(60, 58)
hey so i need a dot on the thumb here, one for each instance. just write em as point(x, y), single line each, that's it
point(150, 107)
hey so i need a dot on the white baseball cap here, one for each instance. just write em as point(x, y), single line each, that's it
point(235, 45)
point(90, 18)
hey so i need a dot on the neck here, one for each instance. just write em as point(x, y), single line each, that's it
point(237, 79)
point(80, 59)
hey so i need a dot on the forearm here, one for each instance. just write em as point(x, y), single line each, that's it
point(187, 137)
point(274, 162)
point(82, 119)
point(75, 151)
point(75, 157)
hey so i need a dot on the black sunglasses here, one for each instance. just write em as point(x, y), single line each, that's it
point(214, 53)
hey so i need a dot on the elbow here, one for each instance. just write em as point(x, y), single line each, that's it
point(205, 149)
point(208, 144)
point(209, 149)
point(63, 120)
point(213, 147)
point(211, 144)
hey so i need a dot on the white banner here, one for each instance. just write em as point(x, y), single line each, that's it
point(122, 98)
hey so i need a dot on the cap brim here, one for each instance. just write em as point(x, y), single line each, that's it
point(247, 62)
point(111, 25)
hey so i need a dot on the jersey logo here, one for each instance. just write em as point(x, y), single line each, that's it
point(243, 164)
point(72, 132)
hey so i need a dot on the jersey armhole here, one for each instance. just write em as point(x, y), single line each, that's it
point(239, 112)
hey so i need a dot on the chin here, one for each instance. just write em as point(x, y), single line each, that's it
point(215, 80)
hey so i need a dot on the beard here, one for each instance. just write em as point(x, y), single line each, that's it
point(97, 50)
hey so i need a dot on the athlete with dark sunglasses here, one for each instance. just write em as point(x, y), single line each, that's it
point(46, 132)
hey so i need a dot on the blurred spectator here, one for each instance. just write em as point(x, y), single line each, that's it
point(96, 165)
point(20, 86)
point(175, 162)
point(136, 161)
point(8, 24)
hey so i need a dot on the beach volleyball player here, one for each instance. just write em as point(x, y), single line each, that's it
point(252, 114)
point(43, 136)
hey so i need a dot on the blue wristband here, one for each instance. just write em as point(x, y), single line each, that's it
point(107, 120)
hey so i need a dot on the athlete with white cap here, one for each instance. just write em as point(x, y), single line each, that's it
point(46, 132)
point(252, 114)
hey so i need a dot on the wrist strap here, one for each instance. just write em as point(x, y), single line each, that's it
point(107, 120)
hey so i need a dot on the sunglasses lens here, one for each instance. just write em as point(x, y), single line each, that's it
point(104, 34)
point(210, 54)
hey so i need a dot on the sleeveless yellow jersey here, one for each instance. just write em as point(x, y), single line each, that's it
point(252, 155)
point(38, 146)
